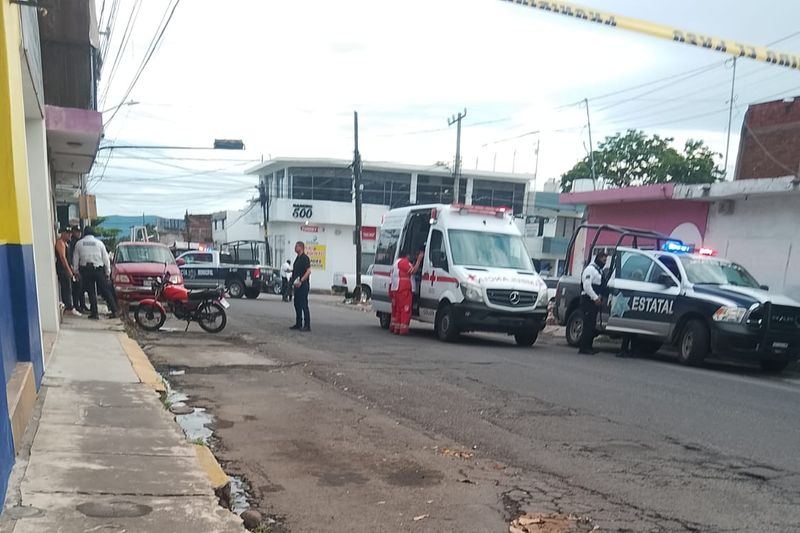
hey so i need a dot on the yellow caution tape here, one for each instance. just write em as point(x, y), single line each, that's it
point(726, 46)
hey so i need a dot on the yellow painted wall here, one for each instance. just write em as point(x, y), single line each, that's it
point(15, 215)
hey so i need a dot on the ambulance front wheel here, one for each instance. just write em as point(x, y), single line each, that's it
point(526, 337)
point(446, 328)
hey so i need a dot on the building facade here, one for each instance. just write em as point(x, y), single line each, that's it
point(770, 140)
point(311, 200)
point(237, 225)
point(548, 230)
point(197, 228)
point(50, 138)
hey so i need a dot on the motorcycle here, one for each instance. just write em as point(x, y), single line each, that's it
point(206, 307)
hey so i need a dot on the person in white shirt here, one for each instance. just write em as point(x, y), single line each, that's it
point(286, 281)
point(92, 262)
point(591, 301)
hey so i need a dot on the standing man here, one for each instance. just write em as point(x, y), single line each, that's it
point(286, 281)
point(92, 261)
point(300, 274)
point(64, 271)
point(78, 292)
point(591, 301)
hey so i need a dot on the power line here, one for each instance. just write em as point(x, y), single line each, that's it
point(154, 43)
point(126, 37)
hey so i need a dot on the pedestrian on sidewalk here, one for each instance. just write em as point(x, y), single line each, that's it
point(78, 292)
point(286, 281)
point(64, 272)
point(402, 292)
point(300, 276)
point(591, 301)
point(94, 266)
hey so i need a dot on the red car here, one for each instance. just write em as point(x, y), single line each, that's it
point(136, 266)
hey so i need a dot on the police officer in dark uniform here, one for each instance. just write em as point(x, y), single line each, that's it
point(591, 301)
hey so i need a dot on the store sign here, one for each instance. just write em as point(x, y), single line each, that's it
point(369, 233)
point(316, 253)
point(309, 229)
point(302, 211)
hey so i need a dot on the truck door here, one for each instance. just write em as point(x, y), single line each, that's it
point(641, 295)
point(199, 270)
point(435, 275)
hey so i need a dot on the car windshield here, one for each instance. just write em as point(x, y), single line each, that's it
point(716, 272)
point(481, 249)
point(143, 254)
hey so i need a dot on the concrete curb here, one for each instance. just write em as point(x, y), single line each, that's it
point(149, 377)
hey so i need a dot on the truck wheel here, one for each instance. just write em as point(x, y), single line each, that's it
point(772, 366)
point(277, 288)
point(366, 293)
point(693, 344)
point(526, 337)
point(574, 328)
point(235, 288)
point(252, 293)
point(446, 328)
point(644, 346)
point(385, 319)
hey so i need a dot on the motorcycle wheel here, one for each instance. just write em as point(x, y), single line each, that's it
point(150, 317)
point(212, 317)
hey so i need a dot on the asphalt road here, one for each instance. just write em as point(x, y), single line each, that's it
point(643, 444)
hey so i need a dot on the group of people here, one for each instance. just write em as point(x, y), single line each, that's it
point(593, 289)
point(83, 266)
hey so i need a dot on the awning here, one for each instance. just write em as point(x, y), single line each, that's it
point(73, 136)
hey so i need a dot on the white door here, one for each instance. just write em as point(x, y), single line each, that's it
point(435, 275)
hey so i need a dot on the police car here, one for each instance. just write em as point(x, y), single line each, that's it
point(674, 294)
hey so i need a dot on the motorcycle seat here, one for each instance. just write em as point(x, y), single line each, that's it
point(204, 294)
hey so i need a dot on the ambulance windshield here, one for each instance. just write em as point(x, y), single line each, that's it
point(481, 249)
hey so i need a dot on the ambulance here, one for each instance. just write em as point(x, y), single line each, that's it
point(477, 274)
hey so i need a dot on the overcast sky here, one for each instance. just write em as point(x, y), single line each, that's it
point(286, 76)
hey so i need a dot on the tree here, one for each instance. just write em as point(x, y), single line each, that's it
point(109, 236)
point(633, 158)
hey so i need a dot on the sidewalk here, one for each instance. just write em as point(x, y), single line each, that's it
point(102, 453)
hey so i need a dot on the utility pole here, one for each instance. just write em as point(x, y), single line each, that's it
point(536, 168)
point(357, 194)
point(456, 119)
point(263, 198)
point(730, 117)
point(591, 145)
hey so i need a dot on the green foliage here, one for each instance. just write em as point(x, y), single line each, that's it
point(110, 236)
point(634, 158)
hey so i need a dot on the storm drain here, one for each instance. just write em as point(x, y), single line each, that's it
point(114, 509)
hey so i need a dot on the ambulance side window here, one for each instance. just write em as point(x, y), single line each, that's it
point(387, 246)
point(437, 251)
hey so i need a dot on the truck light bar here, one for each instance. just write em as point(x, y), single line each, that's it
point(707, 251)
point(677, 247)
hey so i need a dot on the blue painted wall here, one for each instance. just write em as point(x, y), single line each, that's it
point(8, 352)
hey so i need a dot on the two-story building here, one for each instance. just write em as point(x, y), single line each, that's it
point(548, 230)
point(311, 200)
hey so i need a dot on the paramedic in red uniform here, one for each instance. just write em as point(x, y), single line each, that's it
point(401, 293)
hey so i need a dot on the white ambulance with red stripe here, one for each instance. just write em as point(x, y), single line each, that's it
point(477, 274)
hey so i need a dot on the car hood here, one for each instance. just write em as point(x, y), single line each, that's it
point(500, 278)
point(745, 296)
point(145, 269)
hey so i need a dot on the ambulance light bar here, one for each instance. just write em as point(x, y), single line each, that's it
point(498, 212)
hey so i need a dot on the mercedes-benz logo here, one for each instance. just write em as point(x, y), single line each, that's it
point(514, 297)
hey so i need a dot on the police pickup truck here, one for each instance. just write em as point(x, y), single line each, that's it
point(210, 269)
point(662, 291)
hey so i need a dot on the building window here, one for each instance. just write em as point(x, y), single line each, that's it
point(435, 189)
point(279, 179)
point(499, 194)
point(332, 184)
point(386, 188)
point(223, 223)
point(565, 227)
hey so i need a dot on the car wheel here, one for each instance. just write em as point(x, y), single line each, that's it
point(693, 344)
point(574, 328)
point(644, 346)
point(446, 328)
point(366, 293)
point(526, 337)
point(385, 319)
point(235, 288)
point(772, 366)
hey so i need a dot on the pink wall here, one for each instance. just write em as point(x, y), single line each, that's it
point(657, 215)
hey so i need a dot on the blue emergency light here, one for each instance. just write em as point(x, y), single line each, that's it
point(677, 247)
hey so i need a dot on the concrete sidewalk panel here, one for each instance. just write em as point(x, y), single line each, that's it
point(101, 394)
point(82, 355)
point(104, 440)
point(68, 514)
point(138, 475)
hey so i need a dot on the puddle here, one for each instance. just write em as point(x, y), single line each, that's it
point(194, 425)
point(238, 501)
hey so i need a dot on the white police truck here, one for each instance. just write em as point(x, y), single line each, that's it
point(477, 274)
point(662, 291)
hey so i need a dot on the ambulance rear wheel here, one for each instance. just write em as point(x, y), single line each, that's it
point(385, 319)
point(446, 328)
point(526, 337)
